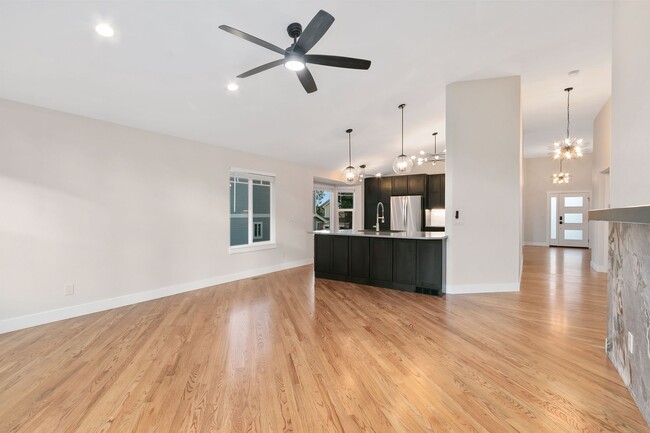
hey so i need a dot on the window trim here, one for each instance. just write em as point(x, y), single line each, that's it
point(334, 207)
point(251, 245)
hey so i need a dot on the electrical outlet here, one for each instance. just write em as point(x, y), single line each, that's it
point(630, 342)
point(68, 289)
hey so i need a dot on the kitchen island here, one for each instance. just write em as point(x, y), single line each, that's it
point(413, 262)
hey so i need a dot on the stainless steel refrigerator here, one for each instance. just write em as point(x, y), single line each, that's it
point(406, 213)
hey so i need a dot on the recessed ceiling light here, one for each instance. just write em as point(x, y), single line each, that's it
point(233, 87)
point(378, 175)
point(574, 72)
point(105, 30)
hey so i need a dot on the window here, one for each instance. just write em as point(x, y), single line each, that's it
point(345, 210)
point(252, 222)
point(322, 209)
point(333, 208)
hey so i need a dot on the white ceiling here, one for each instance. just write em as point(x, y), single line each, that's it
point(167, 67)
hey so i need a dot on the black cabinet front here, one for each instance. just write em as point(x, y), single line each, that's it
point(399, 185)
point(417, 184)
point(404, 261)
point(431, 264)
point(371, 190)
point(340, 255)
point(435, 191)
point(323, 254)
point(381, 259)
point(359, 257)
point(404, 264)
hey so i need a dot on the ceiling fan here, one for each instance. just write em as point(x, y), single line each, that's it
point(296, 57)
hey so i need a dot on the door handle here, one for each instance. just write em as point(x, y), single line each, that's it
point(561, 219)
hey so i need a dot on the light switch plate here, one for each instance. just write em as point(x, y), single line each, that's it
point(68, 289)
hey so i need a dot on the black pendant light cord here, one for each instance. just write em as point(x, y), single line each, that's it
point(568, 117)
point(349, 131)
point(401, 107)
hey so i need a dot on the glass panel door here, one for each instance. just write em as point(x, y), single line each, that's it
point(568, 219)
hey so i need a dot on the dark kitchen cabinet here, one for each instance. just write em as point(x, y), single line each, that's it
point(399, 185)
point(431, 264)
point(340, 255)
point(413, 265)
point(435, 191)
point(371, 189)
point(404, 261)
point(359, 257)
point(417, 184)
point(385, 188)
point(369, 216)
point(323, 253)
point(381, 259)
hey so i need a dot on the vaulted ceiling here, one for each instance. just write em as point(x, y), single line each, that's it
point(167, 68)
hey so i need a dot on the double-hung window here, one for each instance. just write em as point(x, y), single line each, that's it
point(345, 209)
point(252, 213)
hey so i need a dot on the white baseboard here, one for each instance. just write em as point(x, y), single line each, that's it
point(459, 289)
point(598, 268)
point(536, 244)
point(27, 321)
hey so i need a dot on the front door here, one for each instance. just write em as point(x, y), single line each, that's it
point(569, 225)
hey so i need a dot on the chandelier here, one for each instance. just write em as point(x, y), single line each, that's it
point(434, 157)
point(569, 148)
point(561, 177)
point(352, 176)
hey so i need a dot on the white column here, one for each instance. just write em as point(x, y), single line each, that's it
point(630, 172)
point(484, 184)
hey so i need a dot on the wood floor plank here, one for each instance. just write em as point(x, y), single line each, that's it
point(286, 352)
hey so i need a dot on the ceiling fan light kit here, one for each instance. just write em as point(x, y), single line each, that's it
point(295, 57)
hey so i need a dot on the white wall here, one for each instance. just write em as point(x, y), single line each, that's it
point(538, 183)
point(118, 211)
point(630, 160)
point(600, 178)
point(483, 183)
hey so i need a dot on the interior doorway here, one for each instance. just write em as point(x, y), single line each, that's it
point(568, 221)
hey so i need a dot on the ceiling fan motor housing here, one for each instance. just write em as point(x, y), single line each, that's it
point(294, 30)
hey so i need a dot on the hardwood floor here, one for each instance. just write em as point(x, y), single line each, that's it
point(283, 353)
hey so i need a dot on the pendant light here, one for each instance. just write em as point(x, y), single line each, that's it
point(434, 157)
point(561, 177)
point(350, 177)
point(402, 163)
point(570, 147)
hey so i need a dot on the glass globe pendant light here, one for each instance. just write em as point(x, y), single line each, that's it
point(402, 164)
point(350, 177)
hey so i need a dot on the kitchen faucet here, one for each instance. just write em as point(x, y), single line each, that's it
point(380, 204)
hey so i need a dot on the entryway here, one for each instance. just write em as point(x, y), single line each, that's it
point(568, 220)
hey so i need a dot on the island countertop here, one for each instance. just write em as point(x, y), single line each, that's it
point(384, 234)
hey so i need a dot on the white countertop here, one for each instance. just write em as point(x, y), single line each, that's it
point(392, 235)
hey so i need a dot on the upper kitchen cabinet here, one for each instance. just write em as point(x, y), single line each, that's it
point(417, 184)
point(399, 185)
point(408, 185)
point(435, 198)
point(385, 188)
point(371, 186)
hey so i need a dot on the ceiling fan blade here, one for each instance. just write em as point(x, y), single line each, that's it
point(252, 39)
point(262, 68)
point(307, 80)
point(337, 61)
point(314, 31)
